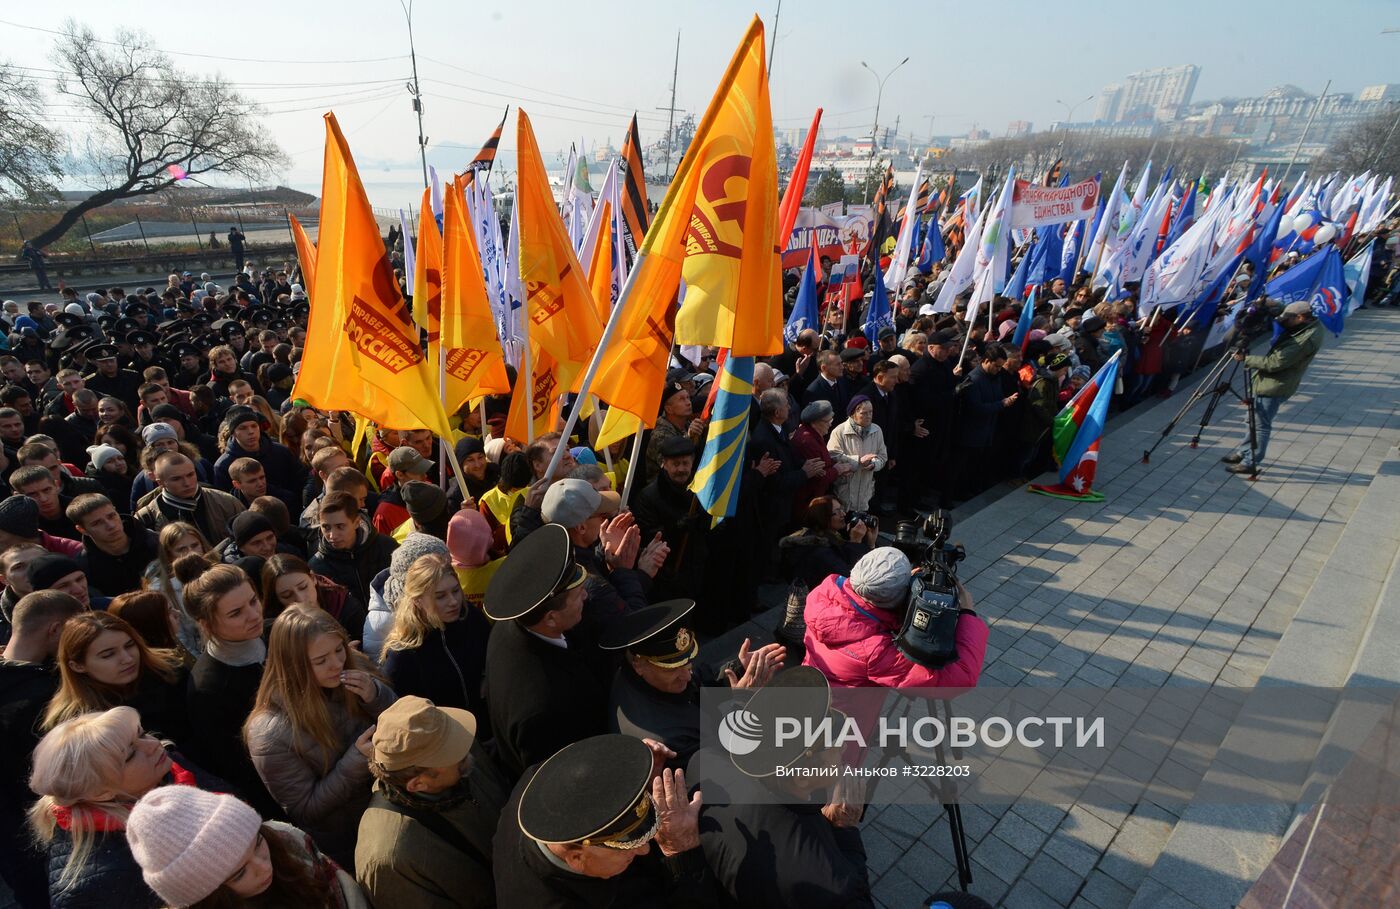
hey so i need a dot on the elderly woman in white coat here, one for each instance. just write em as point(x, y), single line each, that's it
point(860, 443)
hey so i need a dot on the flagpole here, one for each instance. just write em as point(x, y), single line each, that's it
point(624, 301)
point(529, 392)
point(632, 464)
point(442, 392)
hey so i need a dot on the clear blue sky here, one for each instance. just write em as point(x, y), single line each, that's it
point(580, 68)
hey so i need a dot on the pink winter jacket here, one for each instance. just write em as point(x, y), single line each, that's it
point(853, 651)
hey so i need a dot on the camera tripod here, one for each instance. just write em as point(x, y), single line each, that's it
point(1219, 382)
point(942, 790)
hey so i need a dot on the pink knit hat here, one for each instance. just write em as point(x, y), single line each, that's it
point(469, 539)
point(188, 841)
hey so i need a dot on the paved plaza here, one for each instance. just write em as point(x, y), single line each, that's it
point(1185, 572)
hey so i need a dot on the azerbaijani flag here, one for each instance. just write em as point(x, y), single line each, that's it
point(1076, 433)
point(716, 482)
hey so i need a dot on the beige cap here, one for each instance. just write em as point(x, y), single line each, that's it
point(414, 732)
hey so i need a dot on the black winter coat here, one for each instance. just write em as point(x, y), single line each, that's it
point(355, 568)
point(447, 668)
point(219, 699)
point(981, 403)
point(541, 697)
point(113, 575)
point(110, 877)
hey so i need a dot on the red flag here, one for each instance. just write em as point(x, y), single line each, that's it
point(797, 185)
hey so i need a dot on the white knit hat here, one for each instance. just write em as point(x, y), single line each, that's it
point(188, 841)
point(882, 576)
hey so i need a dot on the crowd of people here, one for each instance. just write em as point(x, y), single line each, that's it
point(249, 663)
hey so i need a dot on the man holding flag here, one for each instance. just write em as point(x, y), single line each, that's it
point(1276, 377)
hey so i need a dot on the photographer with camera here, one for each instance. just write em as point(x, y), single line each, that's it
point(858, 634)
point(1276, 378)
point(830, 542)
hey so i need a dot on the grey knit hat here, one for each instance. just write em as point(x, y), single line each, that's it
point(414, 547)
point(882, 576)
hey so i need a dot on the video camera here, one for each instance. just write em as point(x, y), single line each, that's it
point(927, 635)
point(1252, 321)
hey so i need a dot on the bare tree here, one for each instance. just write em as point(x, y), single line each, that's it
point(1369, 145)
point(29, 149)
point(148, 115)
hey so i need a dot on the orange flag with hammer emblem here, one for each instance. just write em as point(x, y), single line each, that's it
point(717, 229)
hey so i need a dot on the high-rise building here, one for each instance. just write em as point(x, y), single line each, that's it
point(1152, 94)
point(1110, 101)
point(1019, 128)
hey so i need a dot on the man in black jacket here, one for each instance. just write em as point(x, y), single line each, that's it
point(933, 385)
point(782, 474)
point(542, 685)
point(884, 378)
point(810, 839)
point(579, 831)
point(830, 384)
point(350, 551)
point(982, 402)
point(666, 506)
point(117, 547)
point(28, 682)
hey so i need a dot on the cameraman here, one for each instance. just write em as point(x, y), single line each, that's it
point(1276, 377)
point(851, 624)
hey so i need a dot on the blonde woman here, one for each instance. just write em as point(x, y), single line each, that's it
point(103, 662)
point(437, 646)
point(88, 773)
point(177, 539)
point(310, 730)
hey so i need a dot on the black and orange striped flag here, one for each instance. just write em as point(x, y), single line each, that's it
point(487, 156)
point(635, 209)
point(1052, 175)
point(884, 224)
point(925, 198)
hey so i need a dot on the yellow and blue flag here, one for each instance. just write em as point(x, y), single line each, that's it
point(716, 482)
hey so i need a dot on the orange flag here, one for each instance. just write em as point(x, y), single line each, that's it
point(362, 352)
point(427, 270)
point(562, 320)
point(474, 365)
point(306, 251)
point(717, 228)
point(600, 268)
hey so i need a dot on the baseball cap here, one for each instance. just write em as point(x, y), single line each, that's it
point(1298, 308)
point(570, 502)
point(409, 460)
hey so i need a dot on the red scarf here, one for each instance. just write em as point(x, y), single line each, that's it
point(101, 821)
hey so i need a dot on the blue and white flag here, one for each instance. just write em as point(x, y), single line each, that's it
point(1319, 280)
point(878, 315)
point(932, 252)
point(1358, 274)
point(804, 308)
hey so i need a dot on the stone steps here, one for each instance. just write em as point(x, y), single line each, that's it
point(1346, 632)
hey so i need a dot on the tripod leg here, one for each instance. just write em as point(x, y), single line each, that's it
point(1206, 386)
point(1220, 390)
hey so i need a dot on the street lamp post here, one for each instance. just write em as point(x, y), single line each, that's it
point(875, 130)
point(1069, 118)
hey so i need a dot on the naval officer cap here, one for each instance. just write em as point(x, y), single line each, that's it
point(658, 634)
point(801, 693)
point(539, 567)
point(592, 793)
